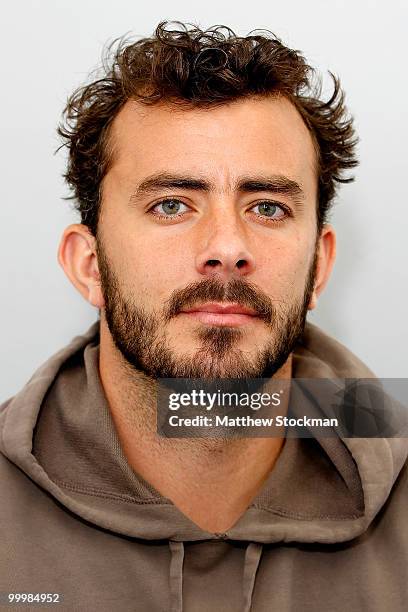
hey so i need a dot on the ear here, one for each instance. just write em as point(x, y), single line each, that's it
point(325, 260)
point(77, 256)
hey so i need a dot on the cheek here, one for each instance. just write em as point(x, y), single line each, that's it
point(283, 269)
point(149, 265)
point(151, 271)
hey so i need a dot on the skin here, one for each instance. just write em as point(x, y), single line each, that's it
point(210, 482)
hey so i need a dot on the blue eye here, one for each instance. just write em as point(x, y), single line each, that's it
point(270, 210)
point(170, 207)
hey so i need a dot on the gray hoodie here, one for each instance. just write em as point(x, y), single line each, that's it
point(328, 530)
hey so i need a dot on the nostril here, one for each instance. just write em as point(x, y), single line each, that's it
point(213, 262)
point(240, 263)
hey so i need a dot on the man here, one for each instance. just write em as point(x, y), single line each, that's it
point(203, 166)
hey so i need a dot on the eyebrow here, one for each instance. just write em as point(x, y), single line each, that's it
point(275, 184)
point(165, 181)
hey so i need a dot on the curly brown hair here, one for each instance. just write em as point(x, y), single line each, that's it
point(190, 66)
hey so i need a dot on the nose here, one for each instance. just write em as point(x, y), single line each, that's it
point(225, 250)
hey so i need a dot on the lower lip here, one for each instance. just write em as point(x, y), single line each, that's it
point(217, 318)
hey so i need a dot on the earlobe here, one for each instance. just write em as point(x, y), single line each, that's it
point(325, 262)
point(313, 300)
point(77, 257)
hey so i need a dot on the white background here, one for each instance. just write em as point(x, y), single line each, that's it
point(49, 47)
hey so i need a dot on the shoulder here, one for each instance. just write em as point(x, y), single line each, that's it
point(318, 355)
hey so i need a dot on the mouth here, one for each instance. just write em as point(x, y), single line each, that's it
point(224, 315)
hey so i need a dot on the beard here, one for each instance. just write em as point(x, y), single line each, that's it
point(140, 334)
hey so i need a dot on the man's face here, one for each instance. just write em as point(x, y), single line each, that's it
point(207, 237)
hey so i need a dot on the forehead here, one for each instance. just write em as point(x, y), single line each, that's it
point(253, 135)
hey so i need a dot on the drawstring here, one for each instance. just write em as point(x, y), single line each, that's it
point(176, 576)
point(252, 557)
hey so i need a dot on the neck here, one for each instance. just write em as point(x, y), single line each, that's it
point(211, 480)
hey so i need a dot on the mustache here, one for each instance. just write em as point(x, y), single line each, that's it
point(212, 289)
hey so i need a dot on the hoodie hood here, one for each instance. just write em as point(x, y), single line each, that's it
point(59, 431)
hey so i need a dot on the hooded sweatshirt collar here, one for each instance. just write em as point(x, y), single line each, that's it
point(59, 430)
